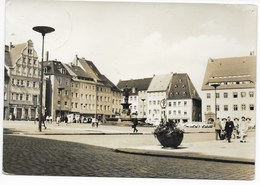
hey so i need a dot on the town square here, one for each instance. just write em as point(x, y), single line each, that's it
point(157, 90)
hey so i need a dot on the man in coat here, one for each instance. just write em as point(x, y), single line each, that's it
point(218, 128)
point(229, 128)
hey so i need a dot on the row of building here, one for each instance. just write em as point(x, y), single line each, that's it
point(79, 89)
point(234, 96)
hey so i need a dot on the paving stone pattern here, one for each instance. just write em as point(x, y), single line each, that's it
point(33, 156)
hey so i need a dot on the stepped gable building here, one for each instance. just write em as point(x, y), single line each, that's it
point(23, 69)
point(183, 101)
point(235, 95)
point(137, 95)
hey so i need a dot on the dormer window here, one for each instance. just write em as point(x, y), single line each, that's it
point(175, 86)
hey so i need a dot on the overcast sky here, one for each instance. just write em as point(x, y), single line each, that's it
point(136, 40)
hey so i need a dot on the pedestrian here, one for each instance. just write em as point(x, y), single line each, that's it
point(43, 121)
point(58, 120)
point(236, 128)
point(135, 122)
point(66, 120)
point(10, 117)
point(50, 119)
point(229, 128)
point(47, 119)
point(243, 128)
point(93, 122)
point(218, 128)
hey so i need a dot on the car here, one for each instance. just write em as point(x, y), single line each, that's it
point(155, 121)
point(87, 120)
point(207, 125)
point(192, 125)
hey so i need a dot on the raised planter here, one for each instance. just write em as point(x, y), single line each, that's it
point(172, 139)
point(169, 135)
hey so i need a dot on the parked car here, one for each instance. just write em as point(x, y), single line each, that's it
point(87, 120)
point(207, 125)
point(192, 125)
point(155, 121)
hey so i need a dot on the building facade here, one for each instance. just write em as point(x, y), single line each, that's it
point(79, 90)
point(182, 102)
point(235, 92)
point(137, 95)
point(24, 70)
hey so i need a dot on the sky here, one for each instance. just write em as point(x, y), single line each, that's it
point(131, 40)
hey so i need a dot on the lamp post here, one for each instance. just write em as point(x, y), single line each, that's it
point(215, 86)
point(43, 30)
point(143, 106)
point(60, 92)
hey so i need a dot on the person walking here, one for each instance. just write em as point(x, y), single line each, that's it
point(229, 128)
point(243, 128)
point(58, 120)
point(135, 122)
point(236, 128)
point(66, 120)
point(218, 128)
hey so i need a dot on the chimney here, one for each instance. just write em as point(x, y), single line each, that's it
point(47, 56)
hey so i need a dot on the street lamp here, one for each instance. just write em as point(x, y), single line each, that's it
point(143, 106)
point(215, 86)
point(60, 92)
point(43, 30)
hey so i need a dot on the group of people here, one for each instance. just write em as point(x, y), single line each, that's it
point(228, 128)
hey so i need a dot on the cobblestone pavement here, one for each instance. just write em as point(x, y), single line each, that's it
point(34, 156)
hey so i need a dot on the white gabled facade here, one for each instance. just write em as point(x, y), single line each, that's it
point(236, 94)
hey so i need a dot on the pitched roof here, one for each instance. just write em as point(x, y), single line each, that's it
point(160, 83)
point(182, 87)
point(228, 71)
point(139, 84)
point(55, 67)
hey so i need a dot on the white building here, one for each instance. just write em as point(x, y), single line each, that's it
point(183, 101)
point(157, 91)
point(235, 95)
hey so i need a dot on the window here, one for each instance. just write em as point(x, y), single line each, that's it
point(34, 84)
point(217, 107)
point(76, 105)
point(208, 108)
point(21, 96)
point(170, 112)
point(243, 107)
point(225, 95)
point(185, 112)
point(235, 95)
point(174, 104)
point(65, 103)
point(251, 94)
point(217, 95)
point(18, 82)
point(5, 96)
point(170, 104)
point(174, 112)
point(185, 103)
point(235, 107)
point(58, 102)
point(28, 83)
point(208, 95)
point(243, 94)
point(251, 107)
point(225, 107)
point(27, 97)
point(179, 112)
point(179, 103)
